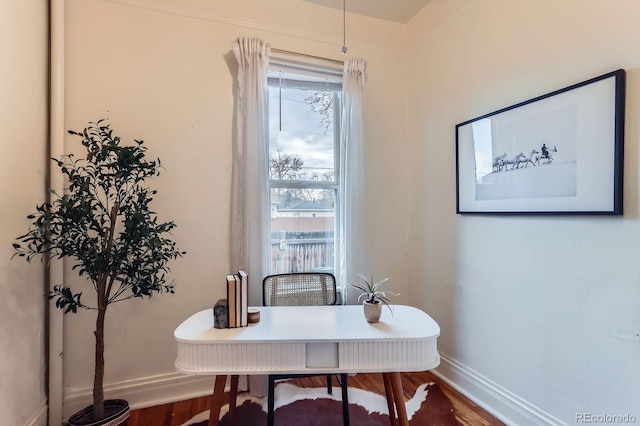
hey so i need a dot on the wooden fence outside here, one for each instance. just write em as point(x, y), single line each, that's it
point(302, 256)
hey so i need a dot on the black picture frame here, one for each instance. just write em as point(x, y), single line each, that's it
point(502, 167)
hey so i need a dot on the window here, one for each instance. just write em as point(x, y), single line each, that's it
point(303, 146)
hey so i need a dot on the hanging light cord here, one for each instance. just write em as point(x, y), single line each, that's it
point(344, 27)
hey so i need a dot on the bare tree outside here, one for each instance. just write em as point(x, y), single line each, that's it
point(322, 103)
point(283, 166)
point(328, 176)
point(290, 167)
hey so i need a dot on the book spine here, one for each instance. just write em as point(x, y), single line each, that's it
point(231, 300)
point(238, 300)
point(244, 305)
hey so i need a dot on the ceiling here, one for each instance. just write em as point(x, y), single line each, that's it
point(390, 10)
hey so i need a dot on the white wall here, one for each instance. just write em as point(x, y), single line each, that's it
point(23, 132)
point(163, 72)
point(529, 306)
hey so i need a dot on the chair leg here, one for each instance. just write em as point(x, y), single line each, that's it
point(329, 386)
point(270, 400)
point(345, 400)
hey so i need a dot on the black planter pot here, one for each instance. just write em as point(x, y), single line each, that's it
point(116, 414)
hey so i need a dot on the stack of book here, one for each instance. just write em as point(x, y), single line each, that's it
point(237, 299)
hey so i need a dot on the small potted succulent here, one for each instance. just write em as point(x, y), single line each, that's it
point(373, 297)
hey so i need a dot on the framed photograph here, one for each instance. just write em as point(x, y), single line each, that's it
point(560, 153)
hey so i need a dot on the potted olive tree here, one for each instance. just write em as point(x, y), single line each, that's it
point(104, 225)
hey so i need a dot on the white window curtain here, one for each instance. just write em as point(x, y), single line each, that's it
point(354, 256)
point(249, 193)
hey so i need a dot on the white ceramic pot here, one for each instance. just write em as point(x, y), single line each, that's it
point(372, 311)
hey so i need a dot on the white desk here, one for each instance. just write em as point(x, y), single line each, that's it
point(319, 339)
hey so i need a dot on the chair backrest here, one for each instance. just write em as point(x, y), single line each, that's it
point(299, 289)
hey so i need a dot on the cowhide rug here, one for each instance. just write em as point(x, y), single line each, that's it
point(296, 406)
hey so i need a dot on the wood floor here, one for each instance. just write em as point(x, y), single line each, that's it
point(467, 413)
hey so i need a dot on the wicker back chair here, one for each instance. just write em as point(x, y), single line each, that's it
point(299, 289)
point(302, 289)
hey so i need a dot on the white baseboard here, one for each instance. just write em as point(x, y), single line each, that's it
point(506, 406)
point(39, 418)
point(144, 392)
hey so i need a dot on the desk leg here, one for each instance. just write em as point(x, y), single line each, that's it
point(216, 399)
point(233, 396)
point(395, 399)
point(388, 390)
point(398, 397)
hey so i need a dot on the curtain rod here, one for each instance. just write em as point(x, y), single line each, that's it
point(307, 55)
